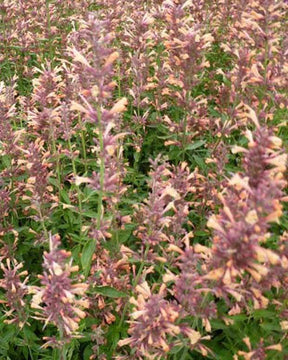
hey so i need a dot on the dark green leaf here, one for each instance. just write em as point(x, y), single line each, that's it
point(87, 253)
point(109, 291)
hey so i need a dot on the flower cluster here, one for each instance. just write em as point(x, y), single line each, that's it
point(250, 203)
point(165, 211)
point(113, 273)
point(190, 288)
point(153, 320)
point(60, 300)
point(15, 292)
point(117, 121)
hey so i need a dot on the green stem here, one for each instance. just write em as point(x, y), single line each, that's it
point(100, 193)
point(119, 79)
point(83, 143)
point(102, 170)
point(43, 223)
point(84, 150)
point(48, 27)
point(134, 283)
point(78, 189)
point(62, 350)
point(185, 352)
point(116, 207)
point(29, 348)
point(184, 138)
point(54, 152)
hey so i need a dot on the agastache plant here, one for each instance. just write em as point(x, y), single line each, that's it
point(152, 321)
point(190, 289)
point(59, 300)
point(163, 217)
point(9, 137)
point(37, 191)
point(150, 135)
point(30, 28)
point(94, 67)
point(107, 271)
point(251, 202)
point(16, 291)
point(44, 117)
point(259, 353)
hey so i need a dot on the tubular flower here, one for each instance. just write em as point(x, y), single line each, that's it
point(152, 321)
point(190, 288)
point(59, 300)
point(15, 291)
point(251, 201)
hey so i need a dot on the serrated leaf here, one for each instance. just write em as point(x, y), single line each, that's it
point(109, 292)
point(65, 196)
point(87, 352)
point(29, 334)
point(90, 214)
point(86, 257)
point(263, 313)
point(195, 145)
point(201, 233)
point(53, 181)
point(271, 327)
point(199, 161)
point(124, 235)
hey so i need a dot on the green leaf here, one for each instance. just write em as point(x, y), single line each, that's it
point(87, 352)
point(90, 214)
point(195, 145)
point(176, 349)
point(87, 253)
point(124, 235)
point(6, 160)
point(65, 196)
point(29, 334)
point(263, 313)
point(25, 353)
point(113, 337)
point(53, 181)
point(199, 161)
point(201, 233)
point(109, 292)
point(270, 327)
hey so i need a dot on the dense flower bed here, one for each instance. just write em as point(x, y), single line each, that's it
point(143, 179)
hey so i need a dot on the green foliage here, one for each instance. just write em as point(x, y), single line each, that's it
point(71, 164)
